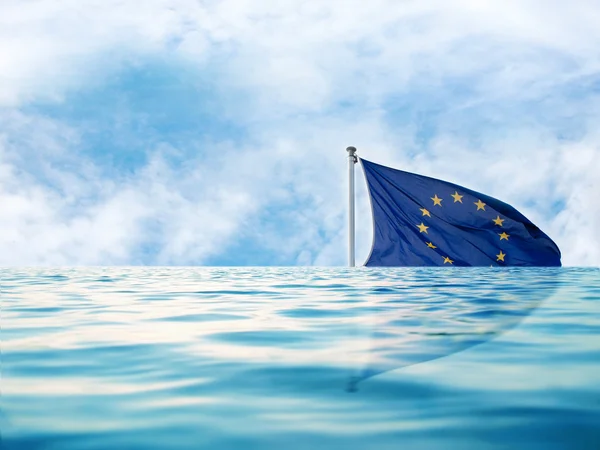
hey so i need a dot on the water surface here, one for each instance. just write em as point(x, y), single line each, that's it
point(303, 358)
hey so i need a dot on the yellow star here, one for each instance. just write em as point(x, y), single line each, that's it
point(423, 228)
point(425, 212)
point(503, 235)
point(457, 197)
point(436, 200)
point(500, 256)
point(498, 221)
point(480, 205)
point(447, 260)
point(430, 245)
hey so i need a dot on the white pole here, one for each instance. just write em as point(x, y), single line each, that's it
point(351, 161)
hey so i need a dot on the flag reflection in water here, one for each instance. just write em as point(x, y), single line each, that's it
point(435, 313)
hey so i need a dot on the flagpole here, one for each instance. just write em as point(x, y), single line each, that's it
point(351, 161)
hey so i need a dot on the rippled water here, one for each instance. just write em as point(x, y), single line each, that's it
point(236, 358)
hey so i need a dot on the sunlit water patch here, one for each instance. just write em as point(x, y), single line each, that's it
point(230, 358)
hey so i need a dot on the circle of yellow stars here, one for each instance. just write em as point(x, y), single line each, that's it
point(437, 201)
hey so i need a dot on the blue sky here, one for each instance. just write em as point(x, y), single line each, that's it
point(182, 132)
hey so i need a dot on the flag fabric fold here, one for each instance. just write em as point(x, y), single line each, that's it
point(423, 221)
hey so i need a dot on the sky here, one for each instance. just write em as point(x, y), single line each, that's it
point(186, 132)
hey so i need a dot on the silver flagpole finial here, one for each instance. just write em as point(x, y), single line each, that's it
point(352, 153)
point(352, 159)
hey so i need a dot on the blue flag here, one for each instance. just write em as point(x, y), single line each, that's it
point(422, 221)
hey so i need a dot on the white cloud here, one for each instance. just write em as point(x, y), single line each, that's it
point(87, 219)
point(292, 66)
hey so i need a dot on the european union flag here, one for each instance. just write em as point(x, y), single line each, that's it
point(422, 221)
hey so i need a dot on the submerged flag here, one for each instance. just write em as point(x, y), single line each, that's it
point(422, 221)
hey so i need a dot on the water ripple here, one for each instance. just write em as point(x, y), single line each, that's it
point(300, 358)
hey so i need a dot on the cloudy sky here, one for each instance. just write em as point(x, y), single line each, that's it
point(204, 132)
